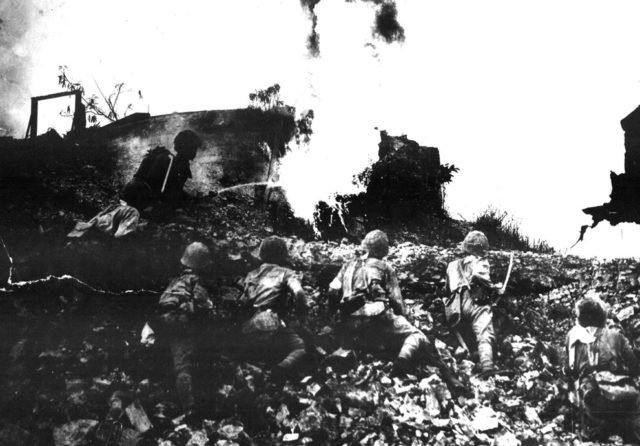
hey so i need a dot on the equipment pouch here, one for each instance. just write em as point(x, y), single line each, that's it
point(453, 308)
point(610, 392)
point(354, 303)
point(370, 309)
point(266, 320)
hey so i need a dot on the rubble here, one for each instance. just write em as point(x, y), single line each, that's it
point(76, 371)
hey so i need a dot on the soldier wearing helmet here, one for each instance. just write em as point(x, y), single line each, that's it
point(469, 284)
point(372, 310)
point(602, 367)
point(162, 175)
point(270, 292)
point(183, 304)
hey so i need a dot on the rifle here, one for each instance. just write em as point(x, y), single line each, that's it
point(506, 280)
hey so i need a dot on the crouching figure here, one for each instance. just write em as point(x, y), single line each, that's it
point(602, 365)
point(469, 303)
point(372, 311)
point(184, 309)
point(266, 295)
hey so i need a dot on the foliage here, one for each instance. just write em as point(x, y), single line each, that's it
point(103, 106)
point(303, 127)
point(267, 99)
point(445, 173)
point(503, 232)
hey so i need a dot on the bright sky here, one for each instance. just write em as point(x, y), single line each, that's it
point(525, 97)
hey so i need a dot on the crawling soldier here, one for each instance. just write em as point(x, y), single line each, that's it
point(372, 309)
point(266, 294)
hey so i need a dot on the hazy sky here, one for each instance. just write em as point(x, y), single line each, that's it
point(526, 98)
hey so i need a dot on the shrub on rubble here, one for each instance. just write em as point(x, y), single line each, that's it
point(504, 233)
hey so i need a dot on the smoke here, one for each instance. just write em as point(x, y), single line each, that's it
point(386, 25)
point(16, 17)
point(313, 39)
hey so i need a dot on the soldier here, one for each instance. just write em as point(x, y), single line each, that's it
point(469, 284)
point(184, 305)
point(266, 295)
point(162, 175)
point(601, 365)
point(372, 310)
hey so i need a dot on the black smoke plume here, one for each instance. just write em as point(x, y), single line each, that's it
point(386, 24)
point(313, 39)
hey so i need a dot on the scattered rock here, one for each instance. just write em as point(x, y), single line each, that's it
point(75, 433)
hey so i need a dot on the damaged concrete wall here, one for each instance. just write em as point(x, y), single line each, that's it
point(237, 143)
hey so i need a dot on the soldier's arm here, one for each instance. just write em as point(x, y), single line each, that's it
point(300, 297)
point(336, 283)
point(629, 358)
point(395, 295)
point(201, 298)
point(481, 274)
point(334, 289)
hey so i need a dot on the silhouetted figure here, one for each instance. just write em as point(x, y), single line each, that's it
point(162, 175)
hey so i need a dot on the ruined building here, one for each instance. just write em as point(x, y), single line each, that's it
point(624, 205)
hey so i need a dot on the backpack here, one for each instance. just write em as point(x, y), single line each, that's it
point(147, 162)
point(366, 297)
point(605, 391)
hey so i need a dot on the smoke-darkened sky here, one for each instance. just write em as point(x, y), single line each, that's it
point(525, 98)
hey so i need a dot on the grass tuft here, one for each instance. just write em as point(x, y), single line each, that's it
point(504, 233)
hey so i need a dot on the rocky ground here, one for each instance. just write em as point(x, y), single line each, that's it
point(75, 371)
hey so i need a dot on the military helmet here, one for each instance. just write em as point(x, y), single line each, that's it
point(591, 312)
point(273, 249)
point(376, 243)
point(196, 256)
point(475, 243)
point(187, 142)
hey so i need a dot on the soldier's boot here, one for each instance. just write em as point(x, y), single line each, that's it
point(296, 353)
point(293, 359)
point(485, 353)
point(184, 386)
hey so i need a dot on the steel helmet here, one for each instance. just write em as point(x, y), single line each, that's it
point(475, 243)
point(273, 249)
point(196, 256)
point(376, 243)
point(591, 312)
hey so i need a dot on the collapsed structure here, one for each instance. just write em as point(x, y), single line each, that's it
point(624, 205)
point(406, 183)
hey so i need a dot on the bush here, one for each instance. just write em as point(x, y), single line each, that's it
point(504, 233)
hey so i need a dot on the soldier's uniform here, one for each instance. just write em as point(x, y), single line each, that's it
point(601, 357)
point(469, 284)
point(372, 310)
point(267, 292)
point(183, 305)
point(161, 175)
point(370, 299)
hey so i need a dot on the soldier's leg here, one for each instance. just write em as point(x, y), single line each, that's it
point(416, 345)
point(631, 427)
point(182, 352)
point(482, 324)
point(290, 342)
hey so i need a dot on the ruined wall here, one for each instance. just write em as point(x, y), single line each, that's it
point(631, 127)
point(234, 143)
point(624, 205)
point(404, 184)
